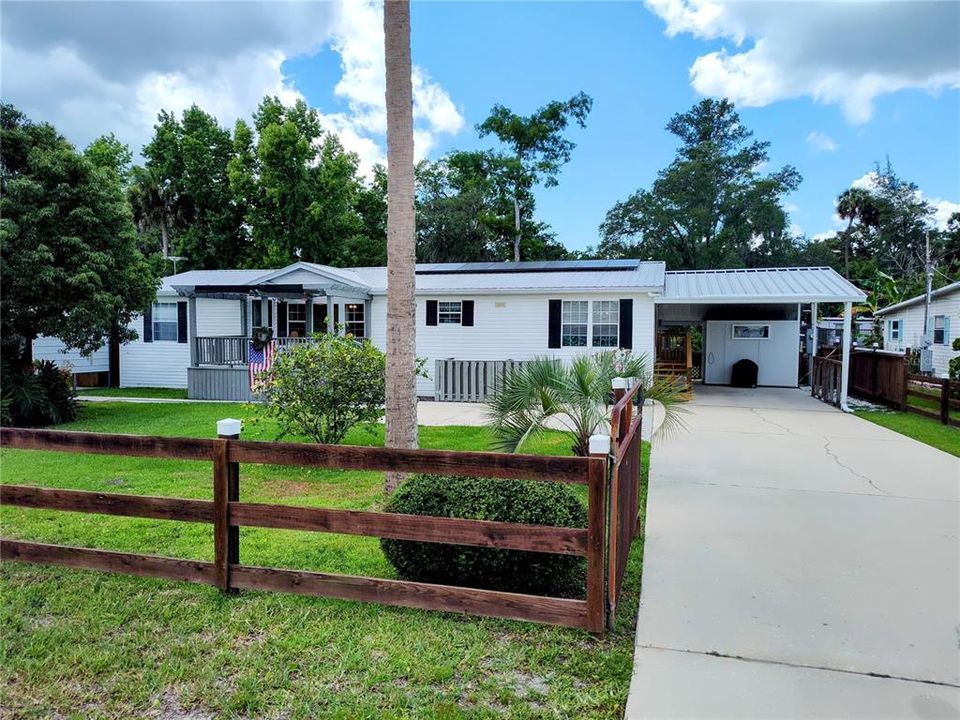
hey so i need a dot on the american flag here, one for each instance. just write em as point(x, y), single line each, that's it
point(260, 361)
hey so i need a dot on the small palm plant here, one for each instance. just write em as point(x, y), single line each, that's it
point(575, 396)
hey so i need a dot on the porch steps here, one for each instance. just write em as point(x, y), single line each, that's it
point(679, 372)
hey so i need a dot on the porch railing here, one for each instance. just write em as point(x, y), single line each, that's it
point(234, 349)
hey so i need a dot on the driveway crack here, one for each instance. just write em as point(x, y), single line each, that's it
point(836, 459)
point(768, 421)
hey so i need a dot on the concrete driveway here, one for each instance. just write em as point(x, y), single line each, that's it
point(799, 562)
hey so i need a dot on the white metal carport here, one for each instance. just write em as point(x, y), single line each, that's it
point(758, 287)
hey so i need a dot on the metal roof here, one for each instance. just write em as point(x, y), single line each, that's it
point(750, 285)
point(525, 266)
point(945, 290)
point(208, 277)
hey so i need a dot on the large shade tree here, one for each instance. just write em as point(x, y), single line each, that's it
point(401, 390)
point(69, 260)
point(711, 207)
point(536, 149)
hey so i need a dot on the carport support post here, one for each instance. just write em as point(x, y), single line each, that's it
point(845, 366)
point(815, 340)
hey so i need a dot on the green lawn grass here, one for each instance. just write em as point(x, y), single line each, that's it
point(138, 392)
point(85, 644)
point(926, 430)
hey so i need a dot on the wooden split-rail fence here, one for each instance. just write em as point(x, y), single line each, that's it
point(601, 541)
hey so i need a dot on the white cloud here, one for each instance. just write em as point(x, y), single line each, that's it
point(820, 141)
point(96, 67)
point(844, 53)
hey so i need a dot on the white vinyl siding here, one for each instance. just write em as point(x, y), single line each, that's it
point(217, 317)
point(506, 327)
point(50, 348)
point(912, 332)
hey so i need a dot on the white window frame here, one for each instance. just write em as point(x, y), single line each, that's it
point(300, 308)
point(351, 322)
point(157, 323)
point(609, 321)
point(452, 314)
point(567, 320)
point(734, 326)
point(895, 330)
point(942, 329)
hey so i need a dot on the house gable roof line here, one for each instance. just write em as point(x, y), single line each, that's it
point(343, 276)
point(935, 295)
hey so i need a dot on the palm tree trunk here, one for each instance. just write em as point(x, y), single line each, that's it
point(164, 237)
point(401, 395)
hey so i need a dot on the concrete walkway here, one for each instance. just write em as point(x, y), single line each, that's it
point(799, 562)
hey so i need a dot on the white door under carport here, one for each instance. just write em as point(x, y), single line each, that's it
point(774, 347)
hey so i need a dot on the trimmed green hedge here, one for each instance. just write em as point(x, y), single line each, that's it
point(536, 503)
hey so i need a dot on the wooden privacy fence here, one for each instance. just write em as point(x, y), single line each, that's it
point(879, 376)
point(470, 380)
point(227, 513)
point(625, 479)
point(825, 383)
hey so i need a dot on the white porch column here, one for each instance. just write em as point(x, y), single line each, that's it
point(813, 334)
point(308, 315)
point(845, 368)
point(331, 303)
point(192, 329)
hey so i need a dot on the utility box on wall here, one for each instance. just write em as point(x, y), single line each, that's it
point(771, 344)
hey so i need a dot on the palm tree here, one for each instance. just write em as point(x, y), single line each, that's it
point(401, 395)
point(852, 205)
point(575, 396)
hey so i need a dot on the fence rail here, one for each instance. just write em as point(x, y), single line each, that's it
point(470, 380)
point(227, 513)
point(940, 393)
point(234, 349)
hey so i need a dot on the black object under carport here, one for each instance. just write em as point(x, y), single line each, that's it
point(744, 374)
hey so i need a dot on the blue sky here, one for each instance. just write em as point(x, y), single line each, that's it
point(834, 86)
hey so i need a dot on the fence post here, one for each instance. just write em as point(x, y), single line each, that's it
point(226, 488)
point(621, 423)
point(597, 532)
point(945, 401)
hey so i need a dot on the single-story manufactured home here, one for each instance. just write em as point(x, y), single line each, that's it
point(903, 326)
point(473, 319)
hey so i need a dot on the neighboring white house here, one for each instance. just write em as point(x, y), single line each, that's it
point(475, 314)
point(903, 325)
point(86, 370)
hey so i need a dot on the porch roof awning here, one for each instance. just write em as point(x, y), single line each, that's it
point(758, 285)
point(289, 291)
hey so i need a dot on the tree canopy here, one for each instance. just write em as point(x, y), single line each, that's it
point(711, 207)
point(70, 264)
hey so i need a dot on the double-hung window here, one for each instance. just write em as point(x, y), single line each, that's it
point(606, 323)
point(895, 329)
point(297, 320)
point(165, 321)
point(939, 330)
point(450, 312)
point(574, 323)
point(355, 319)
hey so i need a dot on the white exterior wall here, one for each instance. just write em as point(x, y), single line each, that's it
point(505, 327)
point(50, 348)
point(912, 331)
point(156, 364)
point(777, 357)
point(218, 317)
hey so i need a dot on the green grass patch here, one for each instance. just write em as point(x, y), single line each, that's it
point(137, 392)
point(926, 430)
point(87, 644)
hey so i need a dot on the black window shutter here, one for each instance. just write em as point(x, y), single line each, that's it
point(281, 319)
point(466, 313)
point(181, 322)
point(553, 336)
point(148, 325)
point(626, 324)
point(431, 312)
point(257, 312)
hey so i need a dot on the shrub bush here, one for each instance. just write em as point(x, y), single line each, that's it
point(324, 388)
point(44, 396)
point(536, 503)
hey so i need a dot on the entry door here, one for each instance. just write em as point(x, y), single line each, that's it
point(714, 354)
point(320, 318)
